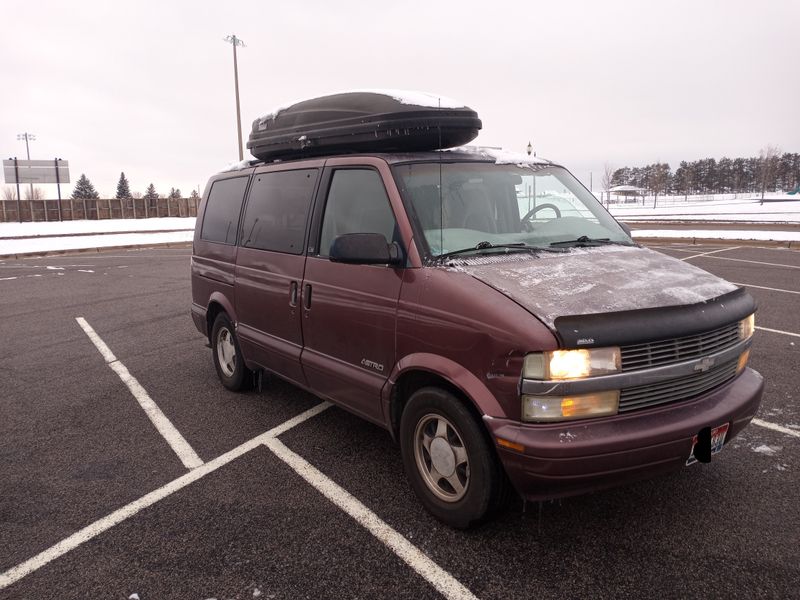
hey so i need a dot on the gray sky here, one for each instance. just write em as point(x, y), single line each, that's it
point(147, 87)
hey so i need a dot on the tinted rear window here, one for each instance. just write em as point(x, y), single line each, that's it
point(221, 218)
point(277, 210)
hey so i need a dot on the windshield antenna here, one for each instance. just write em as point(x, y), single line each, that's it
point(441, 197)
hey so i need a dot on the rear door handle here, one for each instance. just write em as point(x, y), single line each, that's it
point(307, 296)
point(293, 294)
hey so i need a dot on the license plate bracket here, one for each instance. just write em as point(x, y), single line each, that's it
point(707, 442)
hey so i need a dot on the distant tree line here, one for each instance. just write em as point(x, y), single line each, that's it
point(768, 172)
point(85, 190)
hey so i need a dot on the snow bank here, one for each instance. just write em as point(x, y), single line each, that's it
point(742, 209)
point(720, 234)
point(56, 228)
point(83, 242)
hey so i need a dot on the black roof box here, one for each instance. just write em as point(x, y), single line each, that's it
point(369, 121)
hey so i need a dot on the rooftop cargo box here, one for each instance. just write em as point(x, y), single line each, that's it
point(371, 121)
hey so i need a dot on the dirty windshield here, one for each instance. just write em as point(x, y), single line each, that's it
point(508, 207)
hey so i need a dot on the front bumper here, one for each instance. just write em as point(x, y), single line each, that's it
point(570, 458)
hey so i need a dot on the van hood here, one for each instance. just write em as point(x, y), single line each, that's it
point(602, 279)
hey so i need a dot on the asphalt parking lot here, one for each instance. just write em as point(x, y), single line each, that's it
point(287, 498)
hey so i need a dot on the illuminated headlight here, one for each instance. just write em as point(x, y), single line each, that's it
point(571, 364)
point(565, 408)
point(746, 327)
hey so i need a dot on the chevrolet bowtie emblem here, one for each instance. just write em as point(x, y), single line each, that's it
point(705, 364)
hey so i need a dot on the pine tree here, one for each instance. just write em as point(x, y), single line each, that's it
point(123, 189)
point(151, 193)
point(174, 194)
point(194, 195)
point(84, 189)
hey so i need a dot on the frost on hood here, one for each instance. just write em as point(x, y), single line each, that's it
point(410, 97)
point(501, 156)
point(594, 280)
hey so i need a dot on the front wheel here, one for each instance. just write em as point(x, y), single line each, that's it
point(448, 459)
point(227, 356)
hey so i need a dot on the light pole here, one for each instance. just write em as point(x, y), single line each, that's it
point(28, 137)
point(232, 39)
point(530, 148)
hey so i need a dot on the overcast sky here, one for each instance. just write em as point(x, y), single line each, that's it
point(147, 87)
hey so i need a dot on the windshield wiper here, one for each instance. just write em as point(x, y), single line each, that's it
point(516, 247)
point(585, 241)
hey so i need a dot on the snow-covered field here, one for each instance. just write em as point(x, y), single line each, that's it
point(103, 226)
point(727, 209)
point(22, 238)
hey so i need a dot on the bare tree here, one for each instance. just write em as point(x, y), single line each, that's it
point(768, 165)
point(34, 193)
point(608, 176)
point(9, 193)
point(658, 179)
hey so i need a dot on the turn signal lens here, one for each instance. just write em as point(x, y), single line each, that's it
point(571, 364)
point(746, 327)
point(743, 357)
point(564, 408)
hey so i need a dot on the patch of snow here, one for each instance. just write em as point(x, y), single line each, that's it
point(133, 597)
point(85, 271)
point(719, 234)
point(566, 437)
point(7, 278)
point(782, 467)
point(501, 156)
point(238, 166)
point(20, 230)
point(256, 593)
point(768, 450)
point(55, 268)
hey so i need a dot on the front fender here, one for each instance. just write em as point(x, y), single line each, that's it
point(452, 372)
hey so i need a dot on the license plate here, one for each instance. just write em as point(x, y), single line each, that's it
point(718, 435)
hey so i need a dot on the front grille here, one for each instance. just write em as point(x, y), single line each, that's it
point(682, 388)
point(675, 350)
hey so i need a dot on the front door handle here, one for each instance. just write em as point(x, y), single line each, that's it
point(307, 296)
point(293, 294)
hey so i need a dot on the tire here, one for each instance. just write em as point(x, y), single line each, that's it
point(227, 356)
point(449, 460)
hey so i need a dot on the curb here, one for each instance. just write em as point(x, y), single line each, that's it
point(175, 245)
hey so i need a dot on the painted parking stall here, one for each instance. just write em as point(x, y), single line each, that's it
point(295, 498)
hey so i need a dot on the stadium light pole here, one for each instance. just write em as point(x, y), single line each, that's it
point(28, 137)
point(233, 40)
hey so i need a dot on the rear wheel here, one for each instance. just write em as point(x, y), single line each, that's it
point(448, 459)
point(227, 356)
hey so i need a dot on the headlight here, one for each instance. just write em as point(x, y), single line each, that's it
point(571, 364)
point(565, 408)
point(746, 327)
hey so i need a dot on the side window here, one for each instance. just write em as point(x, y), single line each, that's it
point(221, 218)
point(357, 203)
point(277, 210)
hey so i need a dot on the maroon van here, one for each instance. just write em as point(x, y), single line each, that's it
point(484, 308)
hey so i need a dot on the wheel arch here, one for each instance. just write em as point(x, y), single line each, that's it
point(218, 303)
point(423, 370)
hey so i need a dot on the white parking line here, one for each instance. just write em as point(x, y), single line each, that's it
point(711, 252)
point(444, 582)
point(777, 331)
point(118, 516)
point(775, 427)
point(177, 442)
point(763, 287)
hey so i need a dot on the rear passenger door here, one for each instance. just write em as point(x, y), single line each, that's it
point(349, 310)
point(270, 264)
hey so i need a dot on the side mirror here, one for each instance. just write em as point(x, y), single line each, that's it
point(365, 249)
point(625, 228)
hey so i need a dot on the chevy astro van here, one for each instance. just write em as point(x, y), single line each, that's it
point(482, 307)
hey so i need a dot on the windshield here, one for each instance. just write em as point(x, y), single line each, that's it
point(488, 205)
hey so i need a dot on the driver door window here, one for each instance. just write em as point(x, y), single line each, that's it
point(357, 203)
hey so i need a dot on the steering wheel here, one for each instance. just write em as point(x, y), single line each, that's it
point(526, 219)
